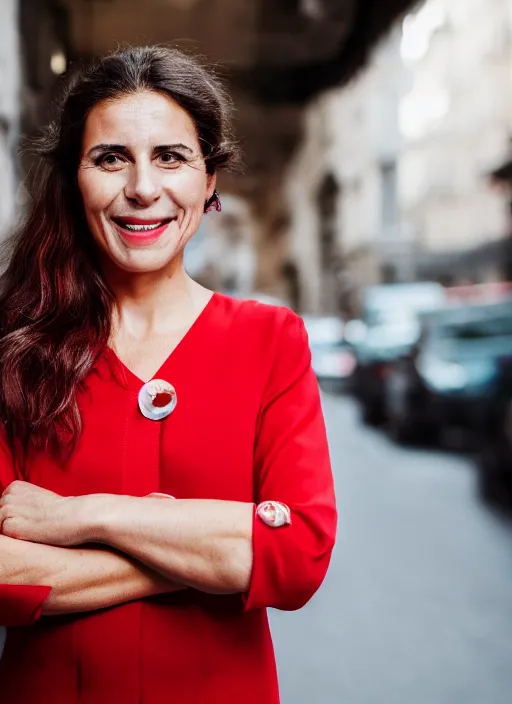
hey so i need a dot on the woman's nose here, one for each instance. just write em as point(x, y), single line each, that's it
point(144, 185)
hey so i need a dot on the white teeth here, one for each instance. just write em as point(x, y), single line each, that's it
point(142, 228)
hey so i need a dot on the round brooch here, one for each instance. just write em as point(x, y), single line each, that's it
point(157, 399)
point(274, 514)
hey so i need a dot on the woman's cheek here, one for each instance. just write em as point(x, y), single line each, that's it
point(187, 188)
point(99, 190)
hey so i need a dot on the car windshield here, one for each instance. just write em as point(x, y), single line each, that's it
point(489, 337)
point(481, 330)
point(393, 335)
point(384, 304)
point(324, 331)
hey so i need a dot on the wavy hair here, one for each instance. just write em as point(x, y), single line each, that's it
point(55, 306)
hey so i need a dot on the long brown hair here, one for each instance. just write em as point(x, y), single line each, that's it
point(55, 306)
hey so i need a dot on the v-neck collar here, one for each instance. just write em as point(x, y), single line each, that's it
point(132, 380)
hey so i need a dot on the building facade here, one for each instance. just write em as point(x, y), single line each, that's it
point(391, 181)
point(456, 122)
point(9, 110)
point(342, 187)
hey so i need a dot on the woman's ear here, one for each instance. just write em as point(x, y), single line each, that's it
point(212, 201)
point(211, 182)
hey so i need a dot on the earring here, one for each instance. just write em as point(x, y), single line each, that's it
point(214, 203)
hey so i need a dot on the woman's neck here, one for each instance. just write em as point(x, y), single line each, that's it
point(159, 303)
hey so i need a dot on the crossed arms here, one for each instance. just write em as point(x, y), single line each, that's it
point(147, 546)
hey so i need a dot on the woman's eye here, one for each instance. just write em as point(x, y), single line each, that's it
point(169, 159)
point(110, 161)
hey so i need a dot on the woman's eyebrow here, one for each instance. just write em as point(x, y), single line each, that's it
point(170, 147)
point(121, 149)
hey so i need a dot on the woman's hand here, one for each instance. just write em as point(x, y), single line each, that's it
point(28, 512)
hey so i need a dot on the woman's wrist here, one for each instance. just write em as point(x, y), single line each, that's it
point(98, 514)
point(102, 516)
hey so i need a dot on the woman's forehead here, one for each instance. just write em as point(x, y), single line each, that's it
point(139, 118)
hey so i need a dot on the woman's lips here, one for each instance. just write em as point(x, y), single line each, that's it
point(142, 237)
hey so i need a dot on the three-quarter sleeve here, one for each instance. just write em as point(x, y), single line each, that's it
point(292, 466)
point(20, 605)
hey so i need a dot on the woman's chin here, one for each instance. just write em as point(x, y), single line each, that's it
point(143, 258)
point(144, 261)
point(149, 265)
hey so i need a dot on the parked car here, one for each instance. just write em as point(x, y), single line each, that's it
point(332, 358)
point(383, 303)
point(382, 345)
point(390, 314)
point(453, 375)
point(495, 452)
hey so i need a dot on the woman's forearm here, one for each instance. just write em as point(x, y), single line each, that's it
point(82, 579)
point(204, 544)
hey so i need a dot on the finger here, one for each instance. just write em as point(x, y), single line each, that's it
point(15, 487)
point(159, 495)
point(4, 526)
point(5, 506)
point(13, 528)
point(6, 515)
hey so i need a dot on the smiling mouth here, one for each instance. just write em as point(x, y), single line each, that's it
point(137, 225)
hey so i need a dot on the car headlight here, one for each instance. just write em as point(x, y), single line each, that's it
point(443, 376)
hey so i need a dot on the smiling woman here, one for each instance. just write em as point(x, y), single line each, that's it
point(144, 198)
point(159, 490)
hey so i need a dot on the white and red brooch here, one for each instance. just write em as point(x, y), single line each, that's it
point(157, 399)
point(274, 514)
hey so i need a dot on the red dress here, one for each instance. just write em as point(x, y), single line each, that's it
point(248, 426)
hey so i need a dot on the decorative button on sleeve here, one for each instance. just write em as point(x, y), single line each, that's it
point(274, 514)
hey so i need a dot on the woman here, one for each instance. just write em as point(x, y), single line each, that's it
point(164, 465)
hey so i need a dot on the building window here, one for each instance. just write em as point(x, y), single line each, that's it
point(327, 199)
point(389, 195)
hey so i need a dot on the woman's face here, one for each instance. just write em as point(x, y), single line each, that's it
point(143, 180)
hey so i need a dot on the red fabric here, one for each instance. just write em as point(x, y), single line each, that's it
point(21, 605)
point(291, 466)
point(247, 427)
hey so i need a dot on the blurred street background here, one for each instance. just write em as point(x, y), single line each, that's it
point(417, 606)
point(376, 201)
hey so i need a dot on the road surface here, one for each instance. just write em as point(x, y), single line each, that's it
point(417, 606)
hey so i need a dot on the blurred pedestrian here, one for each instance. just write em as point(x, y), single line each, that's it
point(163, 457)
